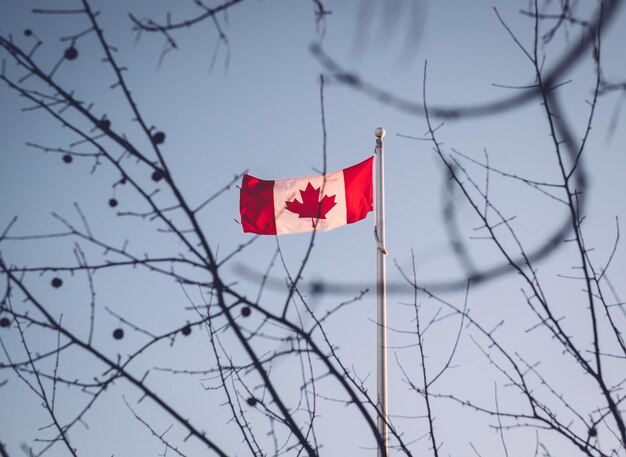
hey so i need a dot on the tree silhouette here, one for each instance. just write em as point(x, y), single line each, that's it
point(122, 378)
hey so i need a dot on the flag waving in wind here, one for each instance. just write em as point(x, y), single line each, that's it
point(309, 203)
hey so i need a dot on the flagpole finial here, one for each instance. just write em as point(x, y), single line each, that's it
point(379, 132)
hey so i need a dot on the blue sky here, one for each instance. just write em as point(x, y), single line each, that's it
point(255, 105)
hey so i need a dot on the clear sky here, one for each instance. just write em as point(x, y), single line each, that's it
point(252, 102)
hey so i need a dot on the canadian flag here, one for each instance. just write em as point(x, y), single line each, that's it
point(309, 203)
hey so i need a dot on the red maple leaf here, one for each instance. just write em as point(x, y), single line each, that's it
point(311, 206)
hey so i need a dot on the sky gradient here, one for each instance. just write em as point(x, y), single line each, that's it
point(252, 102)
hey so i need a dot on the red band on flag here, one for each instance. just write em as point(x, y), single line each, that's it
point(256, 205)
point(359, 191)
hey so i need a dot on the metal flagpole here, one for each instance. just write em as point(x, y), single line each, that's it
point(381, 293)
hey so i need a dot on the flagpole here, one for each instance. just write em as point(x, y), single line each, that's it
point(381, 294)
